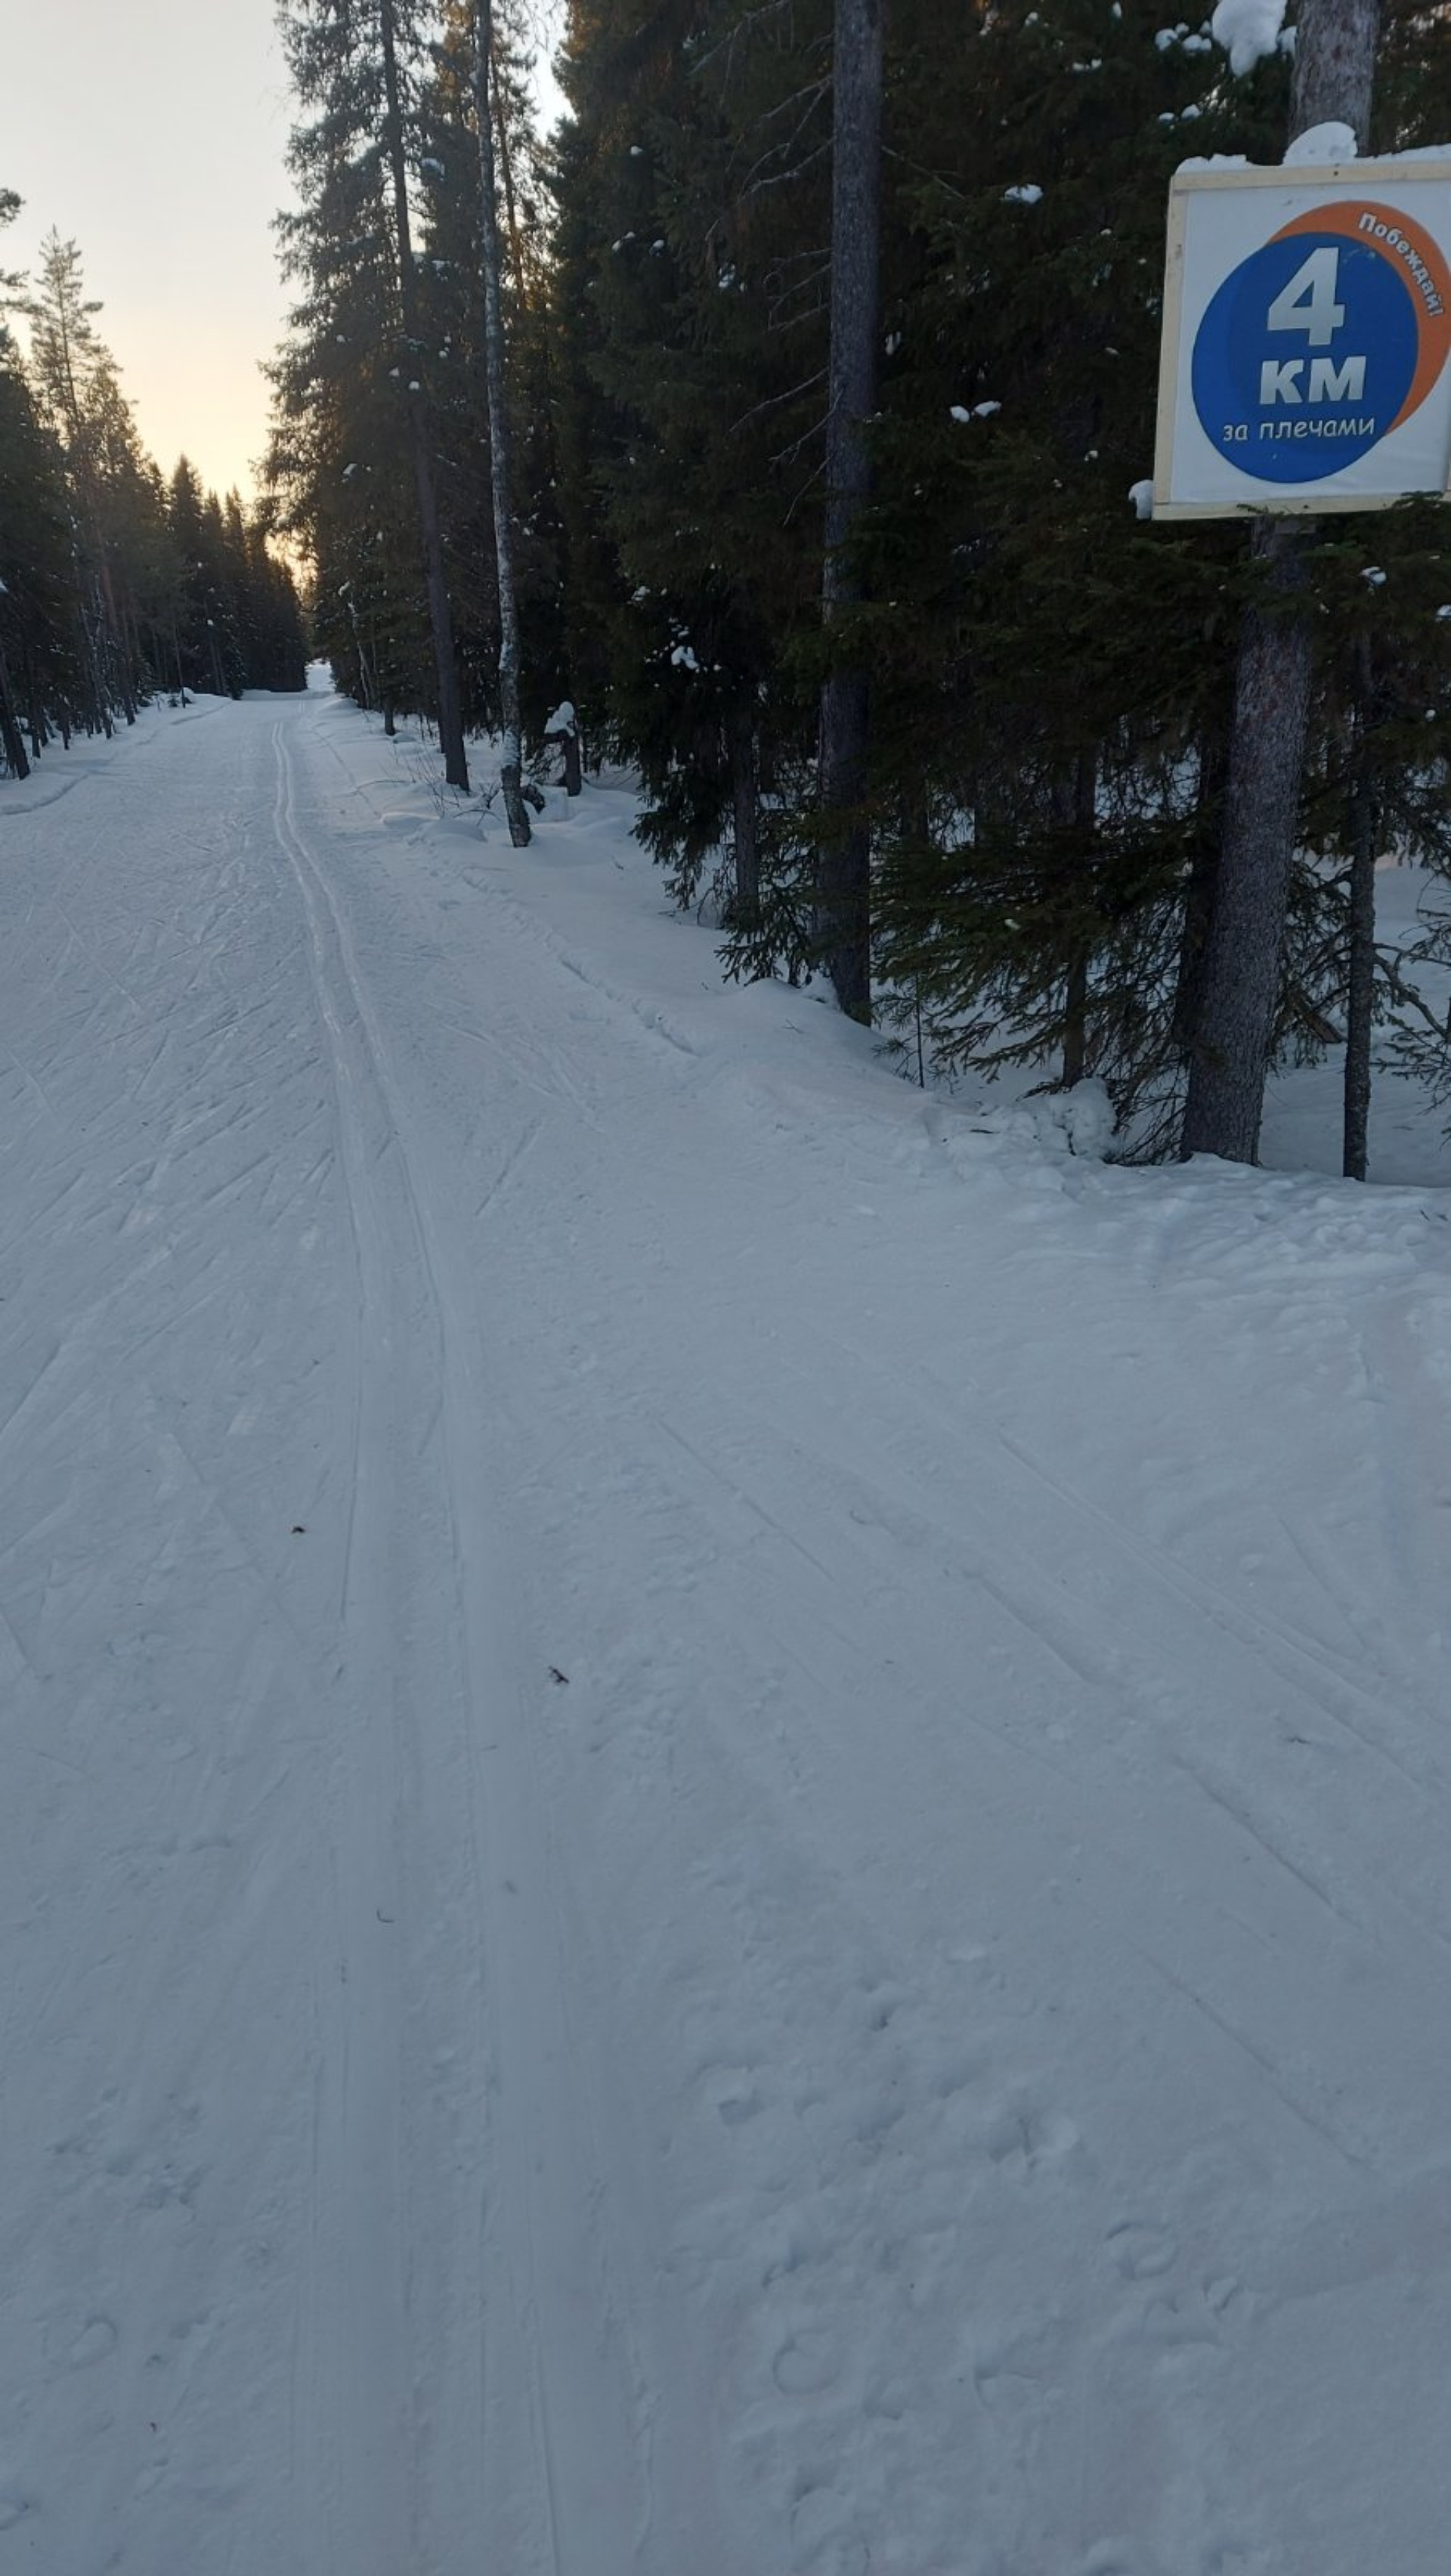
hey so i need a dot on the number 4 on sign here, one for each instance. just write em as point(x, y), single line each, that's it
point(1308, 302)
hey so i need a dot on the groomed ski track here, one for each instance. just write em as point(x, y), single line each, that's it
point(725, 1806)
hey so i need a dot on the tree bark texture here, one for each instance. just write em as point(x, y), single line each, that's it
point(511, 765)
point(1360, 975)
point(10, 735)
point(440, 614)
point(1199, 893)
point(843, 879)
point(1334, 74)
point(1240, 986)
point(1239, 994)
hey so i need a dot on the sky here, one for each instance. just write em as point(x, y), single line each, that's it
point(152, 133)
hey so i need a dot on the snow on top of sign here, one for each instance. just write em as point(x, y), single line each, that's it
point(1248, 30)
point(1320, 144)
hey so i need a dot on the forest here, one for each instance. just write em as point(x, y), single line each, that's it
point(115, 583)
point(775, 426)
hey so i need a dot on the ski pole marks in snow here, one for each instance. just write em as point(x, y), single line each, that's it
point(930, 2054)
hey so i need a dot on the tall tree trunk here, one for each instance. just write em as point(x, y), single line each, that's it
point(843, 877)
point(511, 766)
point(440, 615)
point(1360, 978)
point(1199, 893)
point(1240, 987)
point(1334, 76)
point(511, 209)
point(10, 736)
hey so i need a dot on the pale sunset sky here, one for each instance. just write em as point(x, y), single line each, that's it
point(152, 133)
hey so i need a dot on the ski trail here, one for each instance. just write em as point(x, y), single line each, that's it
point(354, 2484)
point(555, 2322)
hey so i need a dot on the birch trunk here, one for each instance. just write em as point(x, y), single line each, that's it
point(512, 763)
point(843, 878)
point(440, 615)
point(1239, 993)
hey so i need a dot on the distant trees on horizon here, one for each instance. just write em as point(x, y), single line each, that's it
point(115, 585)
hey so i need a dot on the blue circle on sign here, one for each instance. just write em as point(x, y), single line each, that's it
point(1304, 357)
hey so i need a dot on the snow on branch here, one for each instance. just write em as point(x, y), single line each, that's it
point(1249, 30)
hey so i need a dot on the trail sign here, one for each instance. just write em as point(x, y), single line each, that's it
point(1307, 328)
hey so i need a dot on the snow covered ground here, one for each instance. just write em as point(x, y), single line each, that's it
point(724, 1834)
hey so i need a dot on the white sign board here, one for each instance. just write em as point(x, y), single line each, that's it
point(1307, 328)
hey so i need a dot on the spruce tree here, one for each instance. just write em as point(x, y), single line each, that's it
point(358, 346)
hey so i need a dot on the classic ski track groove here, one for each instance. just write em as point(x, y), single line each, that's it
point(534, 2088)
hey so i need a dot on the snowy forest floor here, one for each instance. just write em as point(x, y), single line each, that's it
point(724, 1837)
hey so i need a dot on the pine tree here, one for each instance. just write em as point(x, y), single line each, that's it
point(358, 346)
point(36, 595)
point(75, 378)
point(843, 912)
point(500, 442)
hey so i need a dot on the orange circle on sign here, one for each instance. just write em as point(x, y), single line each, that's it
point(1433, 328)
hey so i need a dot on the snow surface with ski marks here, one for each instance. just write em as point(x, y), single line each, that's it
point(724, 1844)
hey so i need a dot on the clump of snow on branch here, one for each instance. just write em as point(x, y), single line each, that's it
point(1141, 496)
point(1248, 30)
point(1028, 195)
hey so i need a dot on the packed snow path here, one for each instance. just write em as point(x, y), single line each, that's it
point(725, 1797)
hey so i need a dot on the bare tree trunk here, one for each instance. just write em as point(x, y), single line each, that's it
point(1335, 49)
point(39, 729)
point(843, 878)
point(1360, 979)
point(1239, 993)
point(440, 615)
point(511, 766)
point(1240, 987)
point(1199, 893)
point(506, 173)
point(10, 736)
